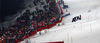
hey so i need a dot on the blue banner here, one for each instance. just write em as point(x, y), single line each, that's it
point(66, 15)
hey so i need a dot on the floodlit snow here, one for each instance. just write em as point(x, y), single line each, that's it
point(86, 30)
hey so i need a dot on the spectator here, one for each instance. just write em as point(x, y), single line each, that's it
point(29, 22)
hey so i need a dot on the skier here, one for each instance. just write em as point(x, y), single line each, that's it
point(80, 17)
point(74, 19)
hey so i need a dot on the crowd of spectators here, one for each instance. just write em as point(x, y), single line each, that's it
point(30, 22)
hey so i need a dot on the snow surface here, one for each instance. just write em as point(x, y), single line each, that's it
point(86, 30)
